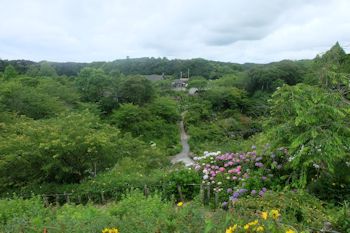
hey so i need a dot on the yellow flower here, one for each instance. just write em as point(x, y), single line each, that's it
point(260, 229)
point(253, 223)
point(290, 231)
point(246, 227)
point(264, 215)
point(180, 204)
point(274, 214)
point(110, 230)
point(231, 229)
point(113, 230)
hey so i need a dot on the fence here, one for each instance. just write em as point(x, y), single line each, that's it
point(205, 192)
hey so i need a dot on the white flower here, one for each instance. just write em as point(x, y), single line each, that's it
point(205, 177)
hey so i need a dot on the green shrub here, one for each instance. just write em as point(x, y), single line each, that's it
point(188, 180)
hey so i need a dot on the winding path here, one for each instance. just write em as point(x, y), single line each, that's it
point(184, 155)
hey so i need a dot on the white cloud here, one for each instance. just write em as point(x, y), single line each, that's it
point(237, 31)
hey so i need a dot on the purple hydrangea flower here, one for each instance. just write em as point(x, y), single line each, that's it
point(253, 192)
point(242, 191)
point(235, 195)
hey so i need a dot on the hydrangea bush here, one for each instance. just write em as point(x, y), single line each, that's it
point(235, 175)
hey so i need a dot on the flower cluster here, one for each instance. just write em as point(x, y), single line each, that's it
point(235, 175)
point(110, 230)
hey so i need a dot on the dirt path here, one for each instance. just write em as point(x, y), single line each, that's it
point(183, 156)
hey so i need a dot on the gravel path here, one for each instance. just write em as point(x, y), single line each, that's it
point(183, 156)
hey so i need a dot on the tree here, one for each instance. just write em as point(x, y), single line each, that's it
point(65, 149)
point(33, 71)
point(9, 72)
point(46, 70)
point(29, 101)
point(95, 86)
point(166, 109)
point(313, 123)
point(131, 118)
point(226, 98)
point(329, 70)
point(197, 82)
point(136, 90)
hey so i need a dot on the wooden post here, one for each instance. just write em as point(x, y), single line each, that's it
point(201, 194)
point(145, 190)
point(180, 193)
point(57, 200)
point(208, 194)
point(216, 200)
point(46, 201)
point(67, 197)
point(45, 230)
point(102, 197)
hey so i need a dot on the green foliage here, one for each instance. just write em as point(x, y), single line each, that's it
point(46, 70)
point(30, 101)
point(304, 118)
point(328, 71)
point(155, 122)
point(95, 86)
point(231, 80)
point(197, 82)
point(64, 149)
point(342, 217)
point(131, 118)
point(60, 88)
point(297, 209)
point(166, 109)
point(9, 72)
point(136, 213)
point(187, 178)
point(269, 77)
point(226, 98)
point(137, 90)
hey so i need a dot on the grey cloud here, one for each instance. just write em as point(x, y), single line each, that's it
point(227, 30)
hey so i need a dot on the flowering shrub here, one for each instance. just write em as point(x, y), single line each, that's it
point(234, 175)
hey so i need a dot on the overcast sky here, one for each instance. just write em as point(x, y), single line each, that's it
point(225, 30)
